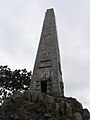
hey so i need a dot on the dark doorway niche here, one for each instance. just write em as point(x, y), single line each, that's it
point(44, 86)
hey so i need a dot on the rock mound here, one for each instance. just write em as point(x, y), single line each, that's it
point(39, 106)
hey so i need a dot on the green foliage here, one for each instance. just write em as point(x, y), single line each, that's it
point(10, 81)
point(7, 106)
point(55, 115)
point(15, 100)
point(78, 106)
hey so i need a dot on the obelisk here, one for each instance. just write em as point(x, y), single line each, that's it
point(47, 74)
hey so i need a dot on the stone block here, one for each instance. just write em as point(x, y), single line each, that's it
point(68, 109)
point(77, 116)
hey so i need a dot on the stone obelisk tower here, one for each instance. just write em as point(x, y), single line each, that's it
point(47, 75)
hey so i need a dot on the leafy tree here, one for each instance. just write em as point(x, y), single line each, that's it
point(10, 81)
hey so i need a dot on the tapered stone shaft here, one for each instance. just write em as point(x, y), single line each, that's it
point(47, 75)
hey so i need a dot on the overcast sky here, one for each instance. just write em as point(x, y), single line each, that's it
point(20, 29)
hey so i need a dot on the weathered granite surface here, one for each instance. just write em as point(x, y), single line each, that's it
point(47, 75)
point(39, 106)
